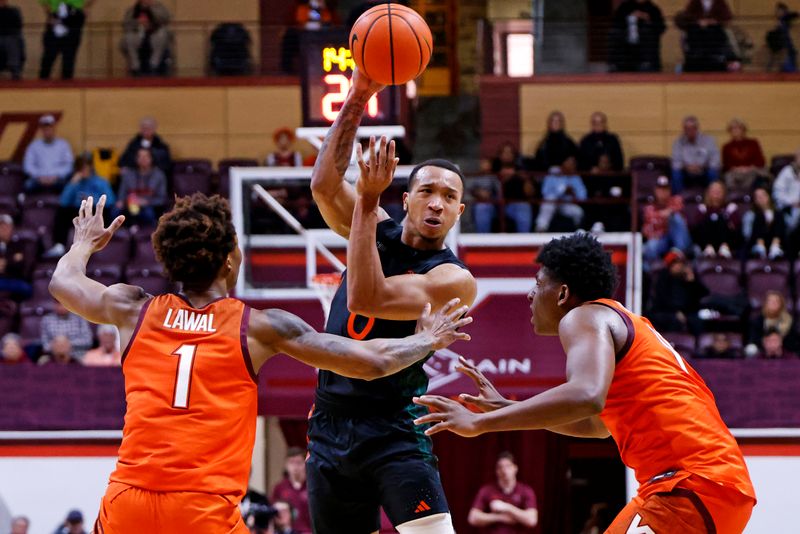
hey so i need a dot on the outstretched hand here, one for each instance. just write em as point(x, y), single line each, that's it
point(377, 171)
point(447, 414)
point(444, 324)
point(488, 398)
point(89, 226)
point(362, 84)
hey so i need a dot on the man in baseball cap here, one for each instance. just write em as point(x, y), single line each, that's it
point(48, 160)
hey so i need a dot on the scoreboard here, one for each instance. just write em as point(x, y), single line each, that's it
point(326, 73)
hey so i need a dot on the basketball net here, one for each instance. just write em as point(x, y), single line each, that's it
point(325, 286)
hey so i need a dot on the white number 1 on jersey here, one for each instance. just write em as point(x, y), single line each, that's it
point(183, 380)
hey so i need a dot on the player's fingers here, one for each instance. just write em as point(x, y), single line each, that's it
point(82, 209)
point(464, 321)
point(396, 162)
point(470, 399)
point(100, 205)
point(437, 402)
point(449, 306)
point(372, 155)
point(382, 152)
point(437, 428)
point(75, 221)
point(360, 159)
point(390, 154)
point(427, 419)
point(426, 311)
point(468, 365)
point(89, 206)
point(462, 336)
point(458, 312)
point(116, 223)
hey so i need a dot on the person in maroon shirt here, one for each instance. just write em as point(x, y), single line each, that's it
point(292, 489)
point(285, 155)
point(742, 159)
point(507, 506)
point(11, 351)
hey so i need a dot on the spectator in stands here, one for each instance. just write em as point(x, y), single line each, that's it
point(663, 224)
point(11, 40)
point(283, 519)
point(20, 524)
point(12, 351)
point(636, 37)
point(707, 42)
point(773, 316)
point(145, 27)
point(742, 159)
point(599, 143)
point(73, 524)
point(763, 227)
point(312, 14)
point(285, 155)
point(773, 347)
point(486, 192)
point(517, 190)
point(60, 353)
point(142, 191)
point(695, 157)
point(62, 35)
point(560, 189)
point(780, 39)
point(149, 139)
point(48, 160)
point(716, 231)
point(14, 265)
point(62, 322)
point(720, 348)
point(786, 189)
point(83, 184)
point(506, 506)
point(675, 300)
point(107, 353)
point(292, 489)
point(556, 145)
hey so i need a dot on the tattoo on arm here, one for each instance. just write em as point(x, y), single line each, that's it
point(287, 326)
point(343, 133)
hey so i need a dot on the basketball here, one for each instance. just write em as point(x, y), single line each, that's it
point(391, 44)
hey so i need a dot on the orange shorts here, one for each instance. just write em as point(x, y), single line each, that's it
point(130, 510)
point(693, 505)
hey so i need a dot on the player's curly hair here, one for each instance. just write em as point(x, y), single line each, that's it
point(580, 262)
point(193, 240)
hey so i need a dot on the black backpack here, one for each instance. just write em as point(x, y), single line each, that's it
point(230, 50)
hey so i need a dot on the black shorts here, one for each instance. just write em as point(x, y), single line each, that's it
point(358, 464)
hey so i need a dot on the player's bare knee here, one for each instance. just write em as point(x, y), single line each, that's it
point(433, 524)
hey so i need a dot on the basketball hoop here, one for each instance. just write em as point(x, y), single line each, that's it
point(325, 286)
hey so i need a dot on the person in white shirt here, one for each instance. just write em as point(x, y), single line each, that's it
point(48, 160)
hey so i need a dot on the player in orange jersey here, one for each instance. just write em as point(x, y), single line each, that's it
point(190, 366)
point(623, 380)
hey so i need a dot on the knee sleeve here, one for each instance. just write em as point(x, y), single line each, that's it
point(433, 524)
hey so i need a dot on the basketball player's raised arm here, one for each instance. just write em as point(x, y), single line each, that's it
point(277, 331)
point(587, 340)
point(334, 196)
point(369, 291)
point(118, 304)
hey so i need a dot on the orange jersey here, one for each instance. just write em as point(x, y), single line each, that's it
point(192, 399)
point(663, 416)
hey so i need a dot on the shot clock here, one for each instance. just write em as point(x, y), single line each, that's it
point(327, 69)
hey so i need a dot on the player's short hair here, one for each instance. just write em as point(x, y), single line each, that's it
point(193, 240)
point(579, 261)
point(295, 451)
point(506, 455)
point(441, 163)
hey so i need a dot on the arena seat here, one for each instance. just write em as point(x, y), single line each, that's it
point(39, 213)
point(12, 179)
point(151, 279)
point(767, 278)
point(31, 319)
point(143, 252)
point(8, 316)
point(683, 343)
point(721, 281)
point(705, 340)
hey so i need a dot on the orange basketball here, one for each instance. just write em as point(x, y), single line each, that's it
point(391, 44)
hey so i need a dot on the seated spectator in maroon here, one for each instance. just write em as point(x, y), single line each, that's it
point(505, 506)
point(599, 142)
point(773, 348)
point(63, 323)
point(556, 145)
point(285, 155)
point(775, 316)
point(14, 265)
point(676, 295)
point(763, 227)
point(742, 159)
point(292, 489)
point(142, 191)
point(60, 353)
point(149, 139)
point(720, 348)
point(107, 353)
point(12, 351)
point(716, 232)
